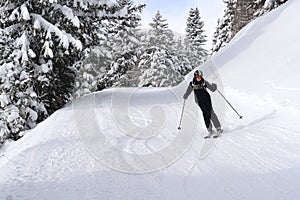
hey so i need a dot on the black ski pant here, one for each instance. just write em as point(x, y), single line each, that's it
point(204, 101)
point(206, 109)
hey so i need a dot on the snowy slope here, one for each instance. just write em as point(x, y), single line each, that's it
point(263, 59)
point(256, 158)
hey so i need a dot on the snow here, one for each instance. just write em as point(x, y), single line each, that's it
point(47, 50)
point(123, 12)
point(32, 114)
point(50, 1)
point(256, 158)
point(24, 12)
point(45, 68)
point(14, 15)
point(3, 70)
point(23, 42)
point(69, 14)
point(3, 100)
point(24, 76)
point(31, 53)
point(13, 115)
point(37, 25)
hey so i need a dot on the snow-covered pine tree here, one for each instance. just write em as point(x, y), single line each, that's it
point(159, 62)
point(51, 45)
point(87, 72)
point(125, 39)
point(243, 14)
point(160, 35)
point(93, 68)
point(132, 76)
point(20, 108)
point(195, 38)
point(264, 6)
point(38, 73)
point(95, 63)
point(158, 70)
point(6, 45)
point(224, 29)
point(185, 65)
point(216, 42)
point(114, 51)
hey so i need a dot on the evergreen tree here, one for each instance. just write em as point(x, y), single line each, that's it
point(46, 39)
point(185, 65)
point(160, 36)
point(86, 75)
point(125, 40)
point(159, 63)
point(19, 105)
point(195, 38)
point(224, 29)
point(109, 59)
point(92, 69)
point(265, 6)
point(243, 14)
point(97, 56)
point(216, 42)
point(47, 49)
point(158, 70)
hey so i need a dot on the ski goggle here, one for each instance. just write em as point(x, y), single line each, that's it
point(198, 76)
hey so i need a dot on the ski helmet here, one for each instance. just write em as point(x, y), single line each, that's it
point(198, 73)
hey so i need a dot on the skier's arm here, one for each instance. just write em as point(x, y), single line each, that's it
point(188, 91)
point(212, 87)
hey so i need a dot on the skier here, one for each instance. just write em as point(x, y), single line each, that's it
point(202, 98)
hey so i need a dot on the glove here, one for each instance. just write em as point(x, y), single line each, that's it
point(185, 96)
point(213, 87)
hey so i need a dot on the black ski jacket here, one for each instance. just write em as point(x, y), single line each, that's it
point(199, 87)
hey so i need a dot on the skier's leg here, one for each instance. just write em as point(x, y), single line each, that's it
point(210, 127)
point(215, 120)
point(207, 119)
point(206, 111)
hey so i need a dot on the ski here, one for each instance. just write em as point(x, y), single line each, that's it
point(216, 135)
point(210, 135)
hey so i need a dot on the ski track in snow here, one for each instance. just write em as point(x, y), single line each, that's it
point(255, 157)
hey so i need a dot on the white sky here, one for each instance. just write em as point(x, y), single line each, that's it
point(176, 13)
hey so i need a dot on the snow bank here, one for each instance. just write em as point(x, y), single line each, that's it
point(263, 58)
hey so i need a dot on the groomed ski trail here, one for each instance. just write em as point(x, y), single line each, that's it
point(254, 157)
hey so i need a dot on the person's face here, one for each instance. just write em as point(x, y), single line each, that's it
point(198, 78)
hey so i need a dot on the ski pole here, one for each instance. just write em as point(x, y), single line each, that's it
point(241, 117)
point(181, 115)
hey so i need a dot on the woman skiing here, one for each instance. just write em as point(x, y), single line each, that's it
point(202, 98)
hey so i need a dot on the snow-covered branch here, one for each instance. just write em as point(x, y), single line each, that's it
point(65, 38)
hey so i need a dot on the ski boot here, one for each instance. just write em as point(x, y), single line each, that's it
point(210, 133)
point(218, 133)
